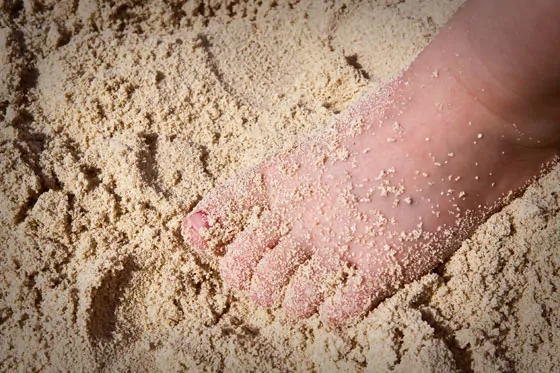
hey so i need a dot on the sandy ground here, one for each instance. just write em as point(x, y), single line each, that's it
point(117, 117)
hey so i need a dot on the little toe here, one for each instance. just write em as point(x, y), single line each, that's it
point(243, 254)
point(275, 269)
point(306, 289)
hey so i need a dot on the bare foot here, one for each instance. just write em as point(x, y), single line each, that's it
point(343, 220)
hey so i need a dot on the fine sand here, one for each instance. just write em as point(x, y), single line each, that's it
point(117, 117)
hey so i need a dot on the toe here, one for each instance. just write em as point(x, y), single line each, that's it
point(191, 226)
point(243, 254)
point(225, 210)
point(352, 301)
point(275, 269)
point(306, 289)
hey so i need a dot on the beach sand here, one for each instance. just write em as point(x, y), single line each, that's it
point(116, 118)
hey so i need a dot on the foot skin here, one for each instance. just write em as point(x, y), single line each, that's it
point(343, 220)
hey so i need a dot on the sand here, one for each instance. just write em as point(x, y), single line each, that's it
point(117, 117)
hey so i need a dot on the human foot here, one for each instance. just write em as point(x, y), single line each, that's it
point(339, 222)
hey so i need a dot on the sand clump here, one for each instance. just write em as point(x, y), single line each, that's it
point(116, 118)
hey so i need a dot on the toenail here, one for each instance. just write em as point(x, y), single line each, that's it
point(199, 220)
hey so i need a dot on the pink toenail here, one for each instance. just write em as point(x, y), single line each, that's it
point(199, 220)
point(190, 227)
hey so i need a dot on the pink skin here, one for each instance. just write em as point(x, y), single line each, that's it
point(437, 150)
point(192, 224)
point(197, 220)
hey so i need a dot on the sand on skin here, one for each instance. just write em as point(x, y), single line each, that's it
point(116, 120)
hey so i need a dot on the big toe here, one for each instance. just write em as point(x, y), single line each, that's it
point(223, 213)
point(191, 226)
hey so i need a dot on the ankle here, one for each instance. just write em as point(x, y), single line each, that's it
point(527, 107)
